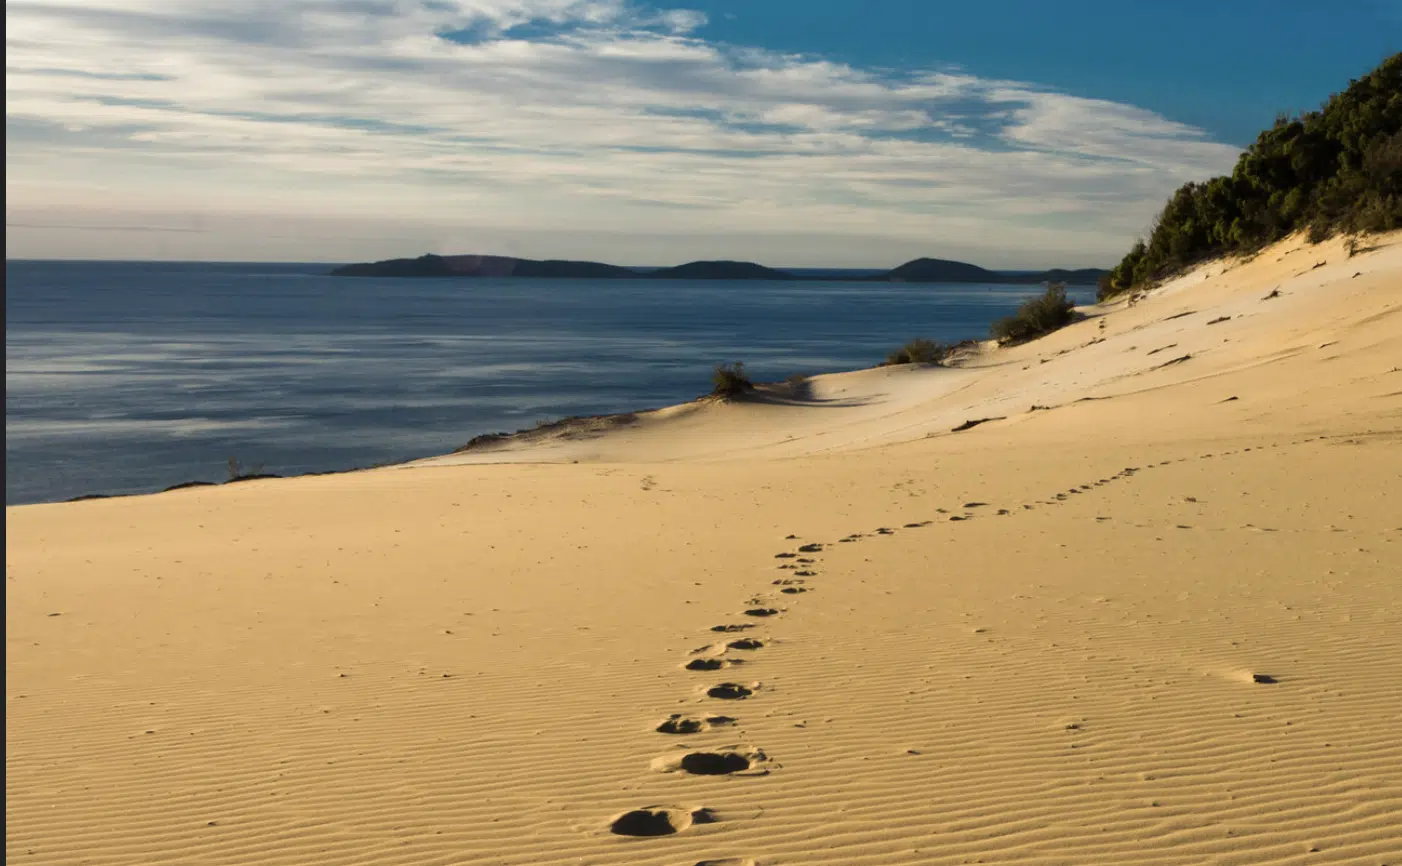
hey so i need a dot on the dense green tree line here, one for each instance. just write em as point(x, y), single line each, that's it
point(1336, 169)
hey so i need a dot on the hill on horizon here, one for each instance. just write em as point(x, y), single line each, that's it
point(923, 270)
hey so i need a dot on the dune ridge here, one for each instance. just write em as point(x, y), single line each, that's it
point(1148, 613)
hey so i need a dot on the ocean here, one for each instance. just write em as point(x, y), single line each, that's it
point(128, 377)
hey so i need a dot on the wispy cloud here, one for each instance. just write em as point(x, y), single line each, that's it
point(559, 115)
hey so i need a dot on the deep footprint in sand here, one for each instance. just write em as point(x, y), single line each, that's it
point(659, 820)
point(711, 664)
point(729, 692)
point(745, 644)
point(794, 590)
point(789, 582)
point(679, 724)
point(727, 761)
point(725, 629)
point(763, 611)
point(810, 548)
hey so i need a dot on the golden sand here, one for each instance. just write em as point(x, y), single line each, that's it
point(1158, 620)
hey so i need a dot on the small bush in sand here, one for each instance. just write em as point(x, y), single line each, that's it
point(799, 385)
point(919, 351)
point(1036, 316)
point(730, 380)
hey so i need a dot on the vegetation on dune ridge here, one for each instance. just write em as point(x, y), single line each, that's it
point(1036, 316)
point(730, 380)
point(918, 351)
point(1336, 169)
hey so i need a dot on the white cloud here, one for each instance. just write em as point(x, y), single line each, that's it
point(542, 118)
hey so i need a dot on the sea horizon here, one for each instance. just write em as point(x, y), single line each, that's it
point(129, 377)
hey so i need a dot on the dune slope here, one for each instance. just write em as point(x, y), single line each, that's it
point(1154, 620)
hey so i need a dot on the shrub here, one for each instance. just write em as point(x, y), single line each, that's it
point(1035, 317)
point(919, 351)
point(799, 386)
point(1336, 169)
point(730, 380)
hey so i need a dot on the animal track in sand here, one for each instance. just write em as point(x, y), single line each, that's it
point(729, 692)
point(679, 724)
point(763, 611)
point(659, 820)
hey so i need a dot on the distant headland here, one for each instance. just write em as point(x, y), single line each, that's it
point(917, 271)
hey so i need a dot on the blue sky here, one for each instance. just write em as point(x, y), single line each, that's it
point(1012, 133)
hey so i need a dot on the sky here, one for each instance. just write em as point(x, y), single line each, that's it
point(818, 133)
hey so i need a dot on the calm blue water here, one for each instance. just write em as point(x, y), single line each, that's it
point(130, 377)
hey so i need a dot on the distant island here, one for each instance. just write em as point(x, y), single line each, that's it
point(917, 271)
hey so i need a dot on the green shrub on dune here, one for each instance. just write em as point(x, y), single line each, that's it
point(918, 351)
point(1037, 316)
point(730, 380)
point(1336, 169)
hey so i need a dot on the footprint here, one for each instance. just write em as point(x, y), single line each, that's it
point(920, 525)
point(659, 820)
point(729, 692)
point(762, 611)
point(785, 555)
point(679, 724)
point(805, 574)
point(885, 531)
point(788, 582)
point(745, 644)
point(804, 561)
point(794, 590)
point(957, 517)
point(711, 664)
point(974, 504)
point(727, 761)
point(810, 548)
point(725, 629)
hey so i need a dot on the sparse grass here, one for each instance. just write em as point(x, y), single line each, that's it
point(1037, 316)
point(919, 351)
point(730, 380)
point(240, 472)
point(799, 386)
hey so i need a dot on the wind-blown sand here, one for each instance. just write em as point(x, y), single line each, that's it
point(1043, 644)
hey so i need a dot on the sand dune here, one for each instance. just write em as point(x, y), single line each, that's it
point(1155, 619)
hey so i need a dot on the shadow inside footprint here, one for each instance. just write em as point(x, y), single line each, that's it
point(745, 644)
point(761, 611)
point(711, 664)
point(793, 590)
point(714, 763)
point(678, 724)
point(658, 821)
point(729, 692)
point(731, 628)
